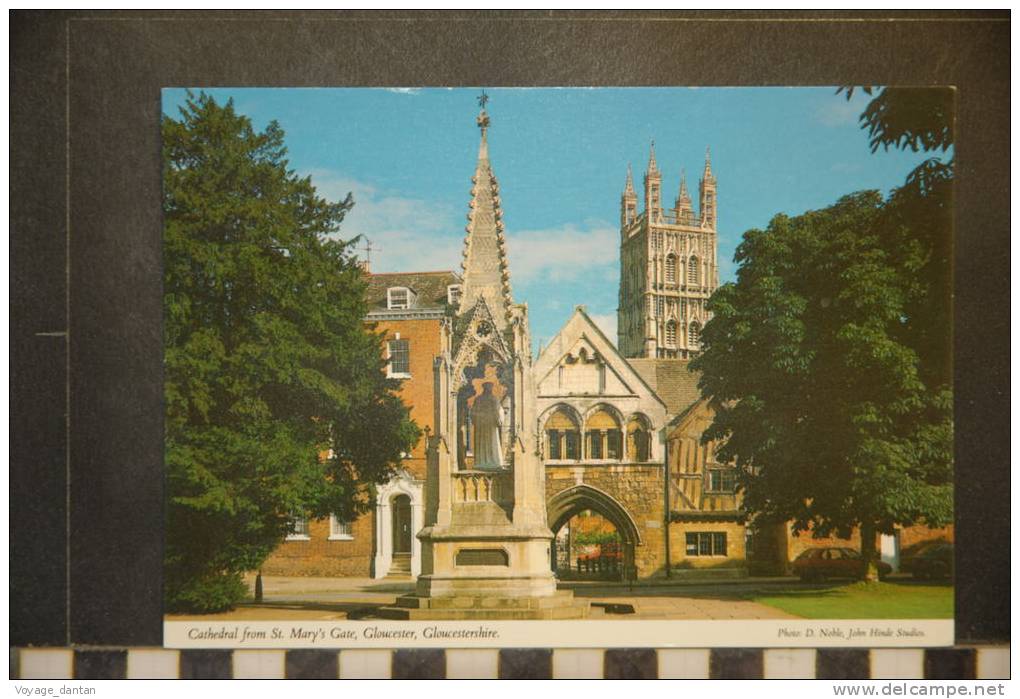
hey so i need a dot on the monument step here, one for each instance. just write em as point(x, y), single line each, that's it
point(562, 598)
point(574, 610)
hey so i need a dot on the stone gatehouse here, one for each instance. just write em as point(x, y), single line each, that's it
point(603, 434)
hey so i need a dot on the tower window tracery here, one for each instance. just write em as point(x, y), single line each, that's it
point(671, 269)
point(694, 335)
point(692, 270)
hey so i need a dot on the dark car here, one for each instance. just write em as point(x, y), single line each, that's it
point(821, 563)
point(930, 562)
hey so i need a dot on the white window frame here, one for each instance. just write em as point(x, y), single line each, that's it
point(454, 290)
point(336, 530)
point(298, 536)
point(389, 365)
point(393, 304)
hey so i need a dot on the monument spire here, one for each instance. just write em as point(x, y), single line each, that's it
point(485, 541)
point(485, 265)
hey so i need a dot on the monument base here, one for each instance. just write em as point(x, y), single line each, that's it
point(561, 605)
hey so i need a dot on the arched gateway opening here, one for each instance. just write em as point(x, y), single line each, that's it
point(600, 509)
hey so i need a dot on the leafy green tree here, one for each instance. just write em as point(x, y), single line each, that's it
point(277, 404)
point(829, 357)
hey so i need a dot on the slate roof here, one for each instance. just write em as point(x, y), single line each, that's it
point(671, 380)
point(429, 288)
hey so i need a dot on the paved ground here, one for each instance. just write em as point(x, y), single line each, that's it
point(351, 598)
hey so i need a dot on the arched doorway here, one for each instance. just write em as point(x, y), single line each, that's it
point(398, 519)
point(574, 501)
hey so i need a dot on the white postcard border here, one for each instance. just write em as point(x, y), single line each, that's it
point(751, 633)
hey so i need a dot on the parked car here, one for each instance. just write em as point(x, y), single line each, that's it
point(832, 562)
point(933, 561)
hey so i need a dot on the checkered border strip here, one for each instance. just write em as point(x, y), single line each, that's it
point(618, 663)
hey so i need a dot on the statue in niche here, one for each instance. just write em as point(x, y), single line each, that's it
point(486, 423)
point(482, 409)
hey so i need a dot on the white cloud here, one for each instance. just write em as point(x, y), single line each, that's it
point(607, 324)
point(562, 253)
point(407, 234)
point(837, 111)
point(410, 234)
point(404, 90)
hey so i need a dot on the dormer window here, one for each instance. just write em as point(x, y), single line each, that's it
point(453, 292)
point(399, 297)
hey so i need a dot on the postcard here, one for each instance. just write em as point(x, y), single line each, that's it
point(577, 367)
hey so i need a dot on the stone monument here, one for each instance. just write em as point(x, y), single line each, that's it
point(486, 542)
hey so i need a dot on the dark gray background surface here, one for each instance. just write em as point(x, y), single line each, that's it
point(86, 309)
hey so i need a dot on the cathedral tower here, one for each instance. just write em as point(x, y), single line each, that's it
point(668, 267)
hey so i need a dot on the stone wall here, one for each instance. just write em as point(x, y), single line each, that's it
point(638, 488)
point(734, 557)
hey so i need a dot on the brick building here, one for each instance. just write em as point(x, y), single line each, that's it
point(410, 309)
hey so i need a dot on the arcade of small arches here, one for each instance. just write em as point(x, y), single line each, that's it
point(601, 434)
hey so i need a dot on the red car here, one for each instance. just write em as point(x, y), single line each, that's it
point(821, 563)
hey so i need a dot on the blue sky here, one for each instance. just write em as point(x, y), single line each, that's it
point(561, 158)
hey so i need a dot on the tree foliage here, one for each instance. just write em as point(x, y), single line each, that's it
point(830, 354)
point(277, 405)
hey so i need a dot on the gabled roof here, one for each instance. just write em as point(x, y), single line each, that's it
point(581, 326)
point(672, 381)
point(429, 288)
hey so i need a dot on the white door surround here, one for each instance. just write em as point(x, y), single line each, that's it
point(401, 484)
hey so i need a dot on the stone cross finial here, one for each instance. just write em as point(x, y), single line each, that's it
point(483, 116)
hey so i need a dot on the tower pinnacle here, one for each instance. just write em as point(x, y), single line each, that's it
point(684, 207)
point(628, 202)
point(707, 193)
point(652, 165)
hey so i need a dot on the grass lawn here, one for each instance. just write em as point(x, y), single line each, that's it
point(880, 600)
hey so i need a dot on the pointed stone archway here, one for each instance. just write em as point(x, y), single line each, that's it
point(388, 498)
point(567, 503)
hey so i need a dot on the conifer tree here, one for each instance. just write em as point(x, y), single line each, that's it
point(277, 405)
